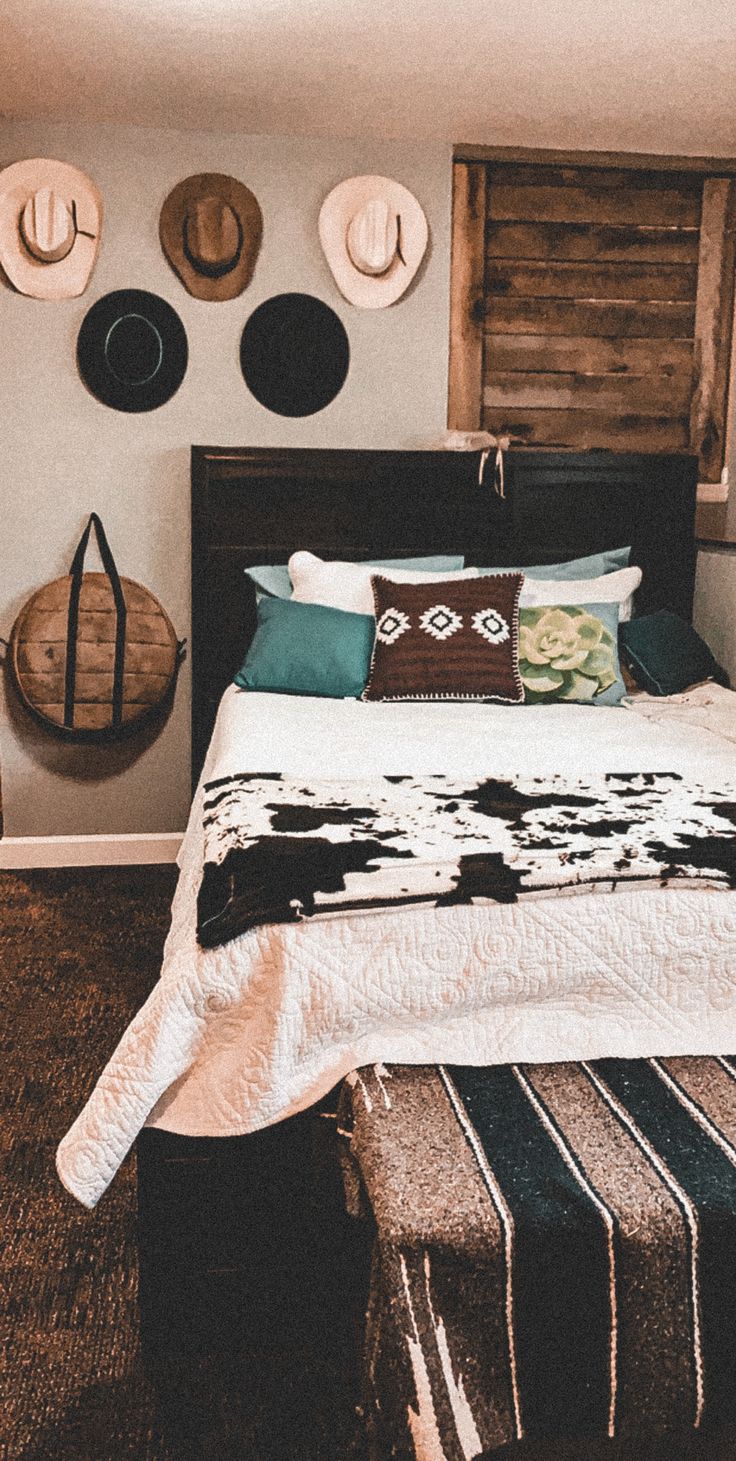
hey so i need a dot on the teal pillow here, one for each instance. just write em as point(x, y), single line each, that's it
point(594, 566)
point(666, 655)
point(308, 649)
point(273, 578)
point(570, 652)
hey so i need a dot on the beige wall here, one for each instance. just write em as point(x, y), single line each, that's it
point(715, 585)
point(715, 605)
point(63, 453)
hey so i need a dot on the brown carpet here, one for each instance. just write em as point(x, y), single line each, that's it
point(79, 951)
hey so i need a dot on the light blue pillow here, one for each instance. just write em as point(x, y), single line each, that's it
point(273, 578)
point(593, 566)
point(569, 652)
point(308, 649)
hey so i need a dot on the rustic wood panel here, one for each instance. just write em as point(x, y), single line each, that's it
point(652, 319)
point(597, 281)
point(467, 293)
point(673, 207)
point(583, 430)
point(595, 241)
point(646, 395)
point(588, 354)
point(552, 279)
point(713, 326)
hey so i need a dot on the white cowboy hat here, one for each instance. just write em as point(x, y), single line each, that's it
point(374, 235)
point(50, 226)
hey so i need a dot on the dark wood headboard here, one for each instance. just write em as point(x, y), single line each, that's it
point(259, 505)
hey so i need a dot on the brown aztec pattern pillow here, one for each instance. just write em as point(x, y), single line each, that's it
point(447, 641)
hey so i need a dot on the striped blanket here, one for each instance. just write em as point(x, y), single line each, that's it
point(278, 850)
point(555, 1253)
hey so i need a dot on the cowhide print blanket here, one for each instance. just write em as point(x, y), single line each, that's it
point(279, 849)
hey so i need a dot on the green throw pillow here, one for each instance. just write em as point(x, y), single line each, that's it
point(570, 652)
point(666, 655)
point(308, 649)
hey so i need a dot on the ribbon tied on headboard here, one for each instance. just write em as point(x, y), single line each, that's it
point(487, 445)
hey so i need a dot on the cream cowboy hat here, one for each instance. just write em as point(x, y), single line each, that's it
point(374, 236)
point(50, 226)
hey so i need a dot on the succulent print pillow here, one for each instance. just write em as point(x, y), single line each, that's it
point(570, 652)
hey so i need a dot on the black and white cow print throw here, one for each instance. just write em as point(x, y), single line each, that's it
point(279, 849)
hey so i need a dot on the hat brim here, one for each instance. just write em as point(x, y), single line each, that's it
point(69, 277)
point(369, 291)
point(171, 233)
point(92, 357)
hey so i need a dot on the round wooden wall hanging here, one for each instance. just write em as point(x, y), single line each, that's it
point(294, 354)
point(94, 655)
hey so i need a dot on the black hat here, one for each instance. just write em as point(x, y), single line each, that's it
point(294, 354)
point(132, 350)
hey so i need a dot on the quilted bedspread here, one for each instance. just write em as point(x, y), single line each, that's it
point(237, 1036)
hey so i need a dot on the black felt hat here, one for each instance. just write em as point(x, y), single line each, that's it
point(132, 350)
point(294, 354)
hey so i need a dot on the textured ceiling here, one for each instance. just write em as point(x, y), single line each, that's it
point(643, 75)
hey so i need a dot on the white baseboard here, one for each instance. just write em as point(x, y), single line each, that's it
point(105, 850)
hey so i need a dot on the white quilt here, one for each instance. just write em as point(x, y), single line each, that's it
point(235, 1038)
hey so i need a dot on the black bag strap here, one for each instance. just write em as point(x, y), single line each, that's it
point(76, 572)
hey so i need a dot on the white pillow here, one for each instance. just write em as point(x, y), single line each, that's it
point(348, 585)
point(611, 588)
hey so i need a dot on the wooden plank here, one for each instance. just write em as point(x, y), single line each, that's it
point(589, 429)
point(467, 289)
point(604, 242)
point(588, 354)
point(93, 655)
point(94, 687)
point(713, 326)
point(633, 162)
point(645, 395)
point(41, 626)
point(670, 206)
point(652, 319)
point(553, 280)
point(525, 175)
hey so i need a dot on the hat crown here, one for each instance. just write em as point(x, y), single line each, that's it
point(48, 226)
point(372, 237)
point(212, 236)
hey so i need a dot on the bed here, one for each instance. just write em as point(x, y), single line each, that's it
point(231, 1062)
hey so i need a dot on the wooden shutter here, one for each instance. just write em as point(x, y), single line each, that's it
point(592, 307)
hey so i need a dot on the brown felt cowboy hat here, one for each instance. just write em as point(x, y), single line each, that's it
point(210, 230)
point(50, 226)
